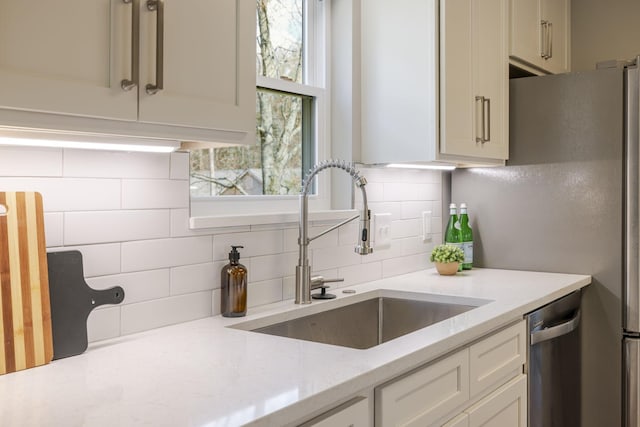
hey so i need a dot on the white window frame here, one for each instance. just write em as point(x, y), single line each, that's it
point(223, 211)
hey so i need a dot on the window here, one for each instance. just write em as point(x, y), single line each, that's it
point(290, 116)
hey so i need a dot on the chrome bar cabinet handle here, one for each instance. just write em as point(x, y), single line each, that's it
point(127, 84)
point(543, 38)
point(486, 102)
point(158, 7)
point(550, 40)
point(481, 137)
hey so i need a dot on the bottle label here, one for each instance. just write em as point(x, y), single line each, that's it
point(467, 248)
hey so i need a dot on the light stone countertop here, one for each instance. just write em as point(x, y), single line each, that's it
point(203, 373)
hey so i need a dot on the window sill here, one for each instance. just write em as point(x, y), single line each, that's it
point(217, 221)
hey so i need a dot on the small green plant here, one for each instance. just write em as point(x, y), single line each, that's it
point(447, 253)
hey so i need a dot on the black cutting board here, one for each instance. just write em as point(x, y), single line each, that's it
point(71, 302)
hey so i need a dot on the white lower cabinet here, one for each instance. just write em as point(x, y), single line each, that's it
point(461, 420)
point(505, 407)
point(479, 385)
point(354, 413)
point(427, 394)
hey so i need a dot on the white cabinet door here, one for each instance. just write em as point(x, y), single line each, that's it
point(461, 420)
point(474, 78)
point(557, 14)
point(456, 77)
point(66, 56)
point(354, 413)
point(399, 81)
point(497, 358)
point(425, 395)
point(208, 64)
point(540, 38)
point(525, 27)
point(506, 407)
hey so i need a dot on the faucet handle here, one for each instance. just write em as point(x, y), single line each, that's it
point(319, 281)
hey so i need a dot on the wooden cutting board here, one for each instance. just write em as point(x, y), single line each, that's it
point(25, 314)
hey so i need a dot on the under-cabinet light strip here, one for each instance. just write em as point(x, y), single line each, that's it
point(415, 166)
point(89, 145)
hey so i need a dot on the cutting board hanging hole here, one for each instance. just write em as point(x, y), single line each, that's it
point(3, 210)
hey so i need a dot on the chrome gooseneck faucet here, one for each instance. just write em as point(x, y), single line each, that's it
point(303, 269)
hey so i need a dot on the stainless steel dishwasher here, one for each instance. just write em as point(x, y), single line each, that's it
point(553, 363)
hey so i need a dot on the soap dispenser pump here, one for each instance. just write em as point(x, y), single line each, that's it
point(233, 279)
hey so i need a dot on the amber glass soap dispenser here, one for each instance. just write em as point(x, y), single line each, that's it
point(233, 278)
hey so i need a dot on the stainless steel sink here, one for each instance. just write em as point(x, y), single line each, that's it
point(366, 323)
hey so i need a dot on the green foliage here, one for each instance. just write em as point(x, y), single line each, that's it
point(447, 253)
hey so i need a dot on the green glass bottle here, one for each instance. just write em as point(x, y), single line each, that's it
point(466, 237)
point(452, 234)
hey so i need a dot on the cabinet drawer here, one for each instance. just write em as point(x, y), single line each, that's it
point(461, 420)
point(354, 413)
point(506, 407)
point(497, 357)
point(425, 395)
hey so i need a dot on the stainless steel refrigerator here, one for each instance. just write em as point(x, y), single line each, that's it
point(567, 201)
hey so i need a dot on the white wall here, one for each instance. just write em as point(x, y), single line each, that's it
point(602, 30)
point(128, 215)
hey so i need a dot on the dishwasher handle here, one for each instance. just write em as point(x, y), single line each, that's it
point(556, 331)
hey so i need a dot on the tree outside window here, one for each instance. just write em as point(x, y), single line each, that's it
point(273, 166)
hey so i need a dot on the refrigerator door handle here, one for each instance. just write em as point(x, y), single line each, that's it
point(632, 210)
point(547, 334)
point(631, 405)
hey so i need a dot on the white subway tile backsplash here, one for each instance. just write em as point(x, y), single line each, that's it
point(429, 191)
point(216, 302)
point(361, 273)
point(139, 286)
point(256, 243)
point(403, 265)
point(97, 260)
point(414, 209)
point(194, 278)
point(288, 287)
point(103, 323)
point(406, 228)
point(395, 209)
point(22, 161)
point(128, 213)
point(266, 292)
point(179, 165)
point(339, 256)
point(69, 194)
point(162, 253)
point(53, 228)
point(115, 226)
point(115, 164)
point(166, 311)
point(154, 194)
point(379, 254)
point(272, 266)
point(398, 191)
point(415, 245)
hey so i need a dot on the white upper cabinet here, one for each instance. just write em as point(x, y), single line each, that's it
point(96, 58)
point(434, 81)
point(66, 56)
point(474, 79)
point(399, 80)
point(540, 35)
point(208, 65)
